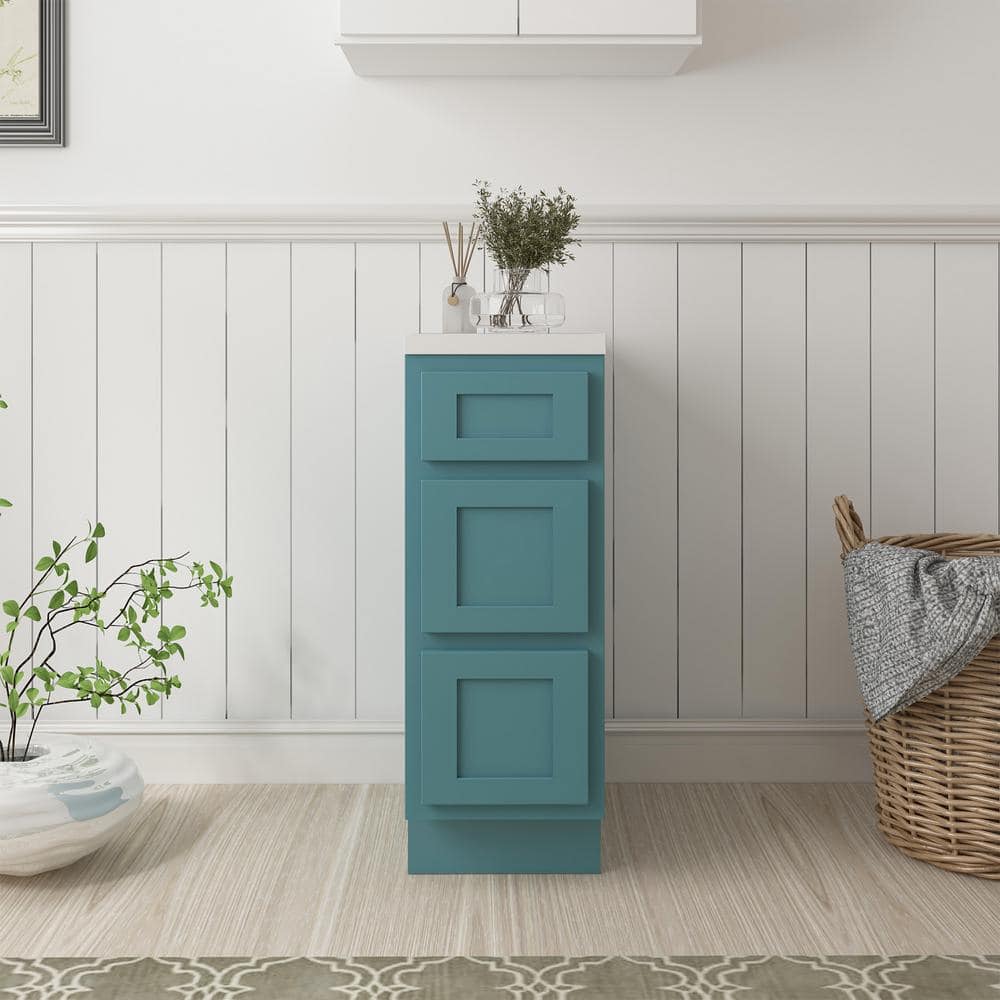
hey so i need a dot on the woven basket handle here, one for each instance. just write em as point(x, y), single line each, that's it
point(849, 525)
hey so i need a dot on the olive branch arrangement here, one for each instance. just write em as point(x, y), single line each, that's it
point(522, 233)
point(57, 603)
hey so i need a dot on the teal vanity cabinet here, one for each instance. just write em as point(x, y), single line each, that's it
point(505, 602)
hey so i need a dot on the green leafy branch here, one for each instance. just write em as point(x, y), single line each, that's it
point(129, 608)
point(3, 501)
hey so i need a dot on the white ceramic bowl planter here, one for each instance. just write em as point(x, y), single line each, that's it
point(65, 802)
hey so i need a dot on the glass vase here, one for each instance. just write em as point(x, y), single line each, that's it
point(519, 302)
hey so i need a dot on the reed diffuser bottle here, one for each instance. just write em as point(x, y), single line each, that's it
point(458, 293)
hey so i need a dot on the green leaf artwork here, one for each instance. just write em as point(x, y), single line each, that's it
point(20, 34)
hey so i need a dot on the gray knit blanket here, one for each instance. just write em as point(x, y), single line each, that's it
point(916, 619)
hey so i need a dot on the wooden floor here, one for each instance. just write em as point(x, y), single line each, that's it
point(320, 870)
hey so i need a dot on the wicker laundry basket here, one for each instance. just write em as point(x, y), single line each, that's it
point(937, 763)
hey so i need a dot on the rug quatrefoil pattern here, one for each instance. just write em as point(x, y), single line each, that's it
point(794, 977)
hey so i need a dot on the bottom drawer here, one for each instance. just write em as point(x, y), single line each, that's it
point(504, 728)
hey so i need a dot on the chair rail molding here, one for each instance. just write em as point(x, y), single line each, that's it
point(400, 223)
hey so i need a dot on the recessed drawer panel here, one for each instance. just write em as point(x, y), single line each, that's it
point(603, 17)
point(504, 556)
point(504, 728)
point(428, 17)
point(504, 417)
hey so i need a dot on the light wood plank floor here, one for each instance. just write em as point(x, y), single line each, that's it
point(320, 870)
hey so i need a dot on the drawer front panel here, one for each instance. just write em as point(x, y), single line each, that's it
point(504, 417)
point(504, 556)
point(428, 17)
point(504, 728)
point(599, 17)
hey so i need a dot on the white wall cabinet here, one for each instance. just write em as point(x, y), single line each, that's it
point(518, 37)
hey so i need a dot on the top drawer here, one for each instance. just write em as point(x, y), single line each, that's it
point(504, 417)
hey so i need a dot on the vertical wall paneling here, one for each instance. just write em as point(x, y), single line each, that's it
point(64, 416)
point(128, 425)
point(435, 275)
point(902, 388)
point(588, 285)
point(709, 544)
point(323, 423)
point(194, 459)
point(258, 487)
point(966, 380)
point(748, 385)
point(645, 455)
point(839, 427)
point(15, 428)
point(388, 308)
point(774, 480)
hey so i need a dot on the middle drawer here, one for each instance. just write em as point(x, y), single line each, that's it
point(504, 555)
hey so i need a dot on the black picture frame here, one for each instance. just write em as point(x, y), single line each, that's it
point(48, 128)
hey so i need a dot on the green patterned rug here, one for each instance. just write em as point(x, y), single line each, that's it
point(793, 977)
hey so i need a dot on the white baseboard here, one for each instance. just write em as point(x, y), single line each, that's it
point(743, 750)
point(372, 752)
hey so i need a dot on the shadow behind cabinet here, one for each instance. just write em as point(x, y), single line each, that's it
point(504, 605)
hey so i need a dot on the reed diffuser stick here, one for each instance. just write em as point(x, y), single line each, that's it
point(462, 254)
point(451, 248)
point(470, 253)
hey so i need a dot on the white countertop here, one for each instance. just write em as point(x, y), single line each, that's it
point(506, 343)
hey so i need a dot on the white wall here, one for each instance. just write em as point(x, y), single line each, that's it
point(790, 101)
point(743, 367)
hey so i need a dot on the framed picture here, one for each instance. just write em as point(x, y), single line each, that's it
point(31, 72)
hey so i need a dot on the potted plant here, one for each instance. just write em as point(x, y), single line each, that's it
point(525, 235)
point(62, 797)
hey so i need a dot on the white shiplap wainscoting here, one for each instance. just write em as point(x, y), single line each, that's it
point(232, 382)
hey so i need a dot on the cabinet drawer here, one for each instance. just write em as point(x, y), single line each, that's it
point(504, 556)
point(504, 417)
point(504, 728)
point(428, 17)
point(604, 17)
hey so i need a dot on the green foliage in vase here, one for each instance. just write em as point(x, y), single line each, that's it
point(523, 232)
point(127, 611)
